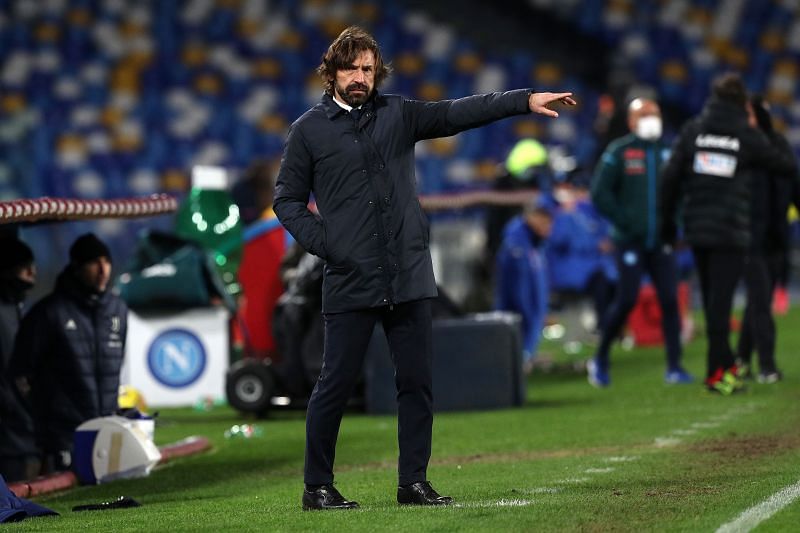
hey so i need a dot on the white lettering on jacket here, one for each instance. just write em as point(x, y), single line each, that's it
point(722, 142)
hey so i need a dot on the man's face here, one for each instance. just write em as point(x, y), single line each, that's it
point(540, 223)
point(354, 83)
point(95, 273)
point(751, 115)
point(27, 273)
point(641, 109)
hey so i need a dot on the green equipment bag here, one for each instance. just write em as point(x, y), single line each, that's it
point(169, 272)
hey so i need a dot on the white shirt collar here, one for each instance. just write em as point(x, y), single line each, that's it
point(343, 105)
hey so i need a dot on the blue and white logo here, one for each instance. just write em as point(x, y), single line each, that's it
point(176, 358)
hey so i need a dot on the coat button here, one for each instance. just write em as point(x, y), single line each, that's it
point(380, 269)
point(380, 167)
point(371, 202)
point(364, 171)
point(386, 200)
point(355, 140)
point(390, 233)
point(375, 235)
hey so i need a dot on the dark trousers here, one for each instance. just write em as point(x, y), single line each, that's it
point(719, 271)
point(632, 264)
point(408, 330)
point(601, 290)
point(758, 326)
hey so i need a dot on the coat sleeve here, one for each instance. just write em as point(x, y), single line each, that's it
point(771, 154)
point(607, 177)
point(428, 120)
point(671, 182)
point(292, 191)
point(31, 347)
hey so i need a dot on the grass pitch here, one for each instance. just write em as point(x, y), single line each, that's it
point(639, 456)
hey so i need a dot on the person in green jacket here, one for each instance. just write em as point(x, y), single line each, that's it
point(625, 191)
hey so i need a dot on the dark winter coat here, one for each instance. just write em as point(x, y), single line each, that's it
point(16, 427)
point(70, 348)
point(371, 230)
point(772, 195)
point(713, 162)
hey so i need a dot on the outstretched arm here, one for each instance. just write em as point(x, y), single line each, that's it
point(427, 120)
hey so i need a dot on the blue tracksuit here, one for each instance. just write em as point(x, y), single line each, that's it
point(573, 248)
point(521, 270)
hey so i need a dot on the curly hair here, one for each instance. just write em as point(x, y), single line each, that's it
point(343, 52)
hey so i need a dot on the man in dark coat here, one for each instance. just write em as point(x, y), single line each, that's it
point(18, 454)
point(713, 162)
point(355, 152)
point(69, 350)
point(771, 196)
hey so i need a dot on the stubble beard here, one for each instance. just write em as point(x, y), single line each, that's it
point(353, 99)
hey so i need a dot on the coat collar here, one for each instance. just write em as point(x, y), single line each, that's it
point(332, 109)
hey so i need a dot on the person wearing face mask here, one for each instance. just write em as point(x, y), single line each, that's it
point(710, 175)
point(625, 190)
point(69, 350)
point(17, 448)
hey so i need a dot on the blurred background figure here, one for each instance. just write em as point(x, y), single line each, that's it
point(716, 213)
point(626, 191)
point(521, 271)
point(69, 350)
point(18, 455)
point(524, 168)
point(265, 244)
point(579, 250)
point(771, 195)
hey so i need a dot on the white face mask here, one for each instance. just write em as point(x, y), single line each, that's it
point(649, 128)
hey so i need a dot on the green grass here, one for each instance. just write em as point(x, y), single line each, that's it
point(640, 456)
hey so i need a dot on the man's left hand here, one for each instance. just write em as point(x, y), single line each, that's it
point(538, 102)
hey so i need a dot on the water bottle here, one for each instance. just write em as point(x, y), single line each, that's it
point(209, 217)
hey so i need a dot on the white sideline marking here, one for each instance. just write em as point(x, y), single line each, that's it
point(605, 470)
point(622, 459)
point(542, 490)
point(705, 425)
point(753, 516)
point(664, 442)
point(499, 503)
point(684, 432)
point(575, 480)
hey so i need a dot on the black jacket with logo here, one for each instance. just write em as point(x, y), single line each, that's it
point(371, 230)
point(713, 162)
point(70, 348)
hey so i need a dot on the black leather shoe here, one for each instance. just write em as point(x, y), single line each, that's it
point(324, 498)
point(421, 493)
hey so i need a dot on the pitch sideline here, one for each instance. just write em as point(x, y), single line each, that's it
point(753, 516)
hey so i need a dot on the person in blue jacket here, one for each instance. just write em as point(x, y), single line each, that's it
point(521, 270)
point(579, 250)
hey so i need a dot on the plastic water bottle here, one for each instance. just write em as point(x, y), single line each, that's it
point(209, 217)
